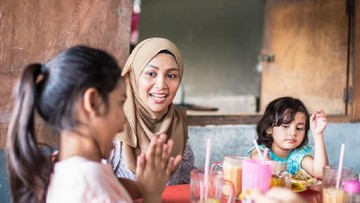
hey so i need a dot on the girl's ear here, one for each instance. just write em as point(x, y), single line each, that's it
point(269, 131)
point(92, 101)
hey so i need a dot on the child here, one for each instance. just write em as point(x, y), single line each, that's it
point(284, 130)
point(80, 95)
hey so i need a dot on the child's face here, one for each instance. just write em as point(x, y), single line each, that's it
point(159, 82)
point(289, 136)
point(113, 121)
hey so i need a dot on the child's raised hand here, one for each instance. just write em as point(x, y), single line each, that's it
point(155, 167)
point(318, 122)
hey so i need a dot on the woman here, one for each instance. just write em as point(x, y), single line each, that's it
point(153, 74)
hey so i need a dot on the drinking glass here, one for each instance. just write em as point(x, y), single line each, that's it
point(279, 176)
point(256, 175)
point(209, 190)
point(232, 169)
point(331, 194)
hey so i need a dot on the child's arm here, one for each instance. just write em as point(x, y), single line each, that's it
point(314, 166)
point(154, 169)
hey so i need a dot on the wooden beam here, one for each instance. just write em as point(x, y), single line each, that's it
point(355, 64)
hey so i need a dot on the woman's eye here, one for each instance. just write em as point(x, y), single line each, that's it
point(122, 103)
point(285, 126)
point(151, 74)
point(300, 129)
point(170, 75)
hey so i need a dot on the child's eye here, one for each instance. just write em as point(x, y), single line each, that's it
point(300, 129)
point(285, 126)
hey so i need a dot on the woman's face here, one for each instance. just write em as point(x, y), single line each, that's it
point(159, 82)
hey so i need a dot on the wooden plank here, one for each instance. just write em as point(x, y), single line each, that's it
point(197, 120)
point(309, 40)
point(355, 63)
point(36, 30)
point(39, 29)
point(45, 135)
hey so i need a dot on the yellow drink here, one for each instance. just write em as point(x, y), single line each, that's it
point(332, 195)
point(277, 181)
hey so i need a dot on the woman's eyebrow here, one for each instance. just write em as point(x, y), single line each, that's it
point(173, 69)
point(152, 66)
point(170, 69)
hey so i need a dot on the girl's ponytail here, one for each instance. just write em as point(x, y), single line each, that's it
point(28, 168)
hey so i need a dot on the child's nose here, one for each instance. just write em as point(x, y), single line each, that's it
point(291, 131)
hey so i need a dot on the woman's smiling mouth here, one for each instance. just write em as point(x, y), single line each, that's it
point(158, 98)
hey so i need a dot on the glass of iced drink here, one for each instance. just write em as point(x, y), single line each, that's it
point(279, 176)
point(232, 169)
point(332, 194)
point(210, 189)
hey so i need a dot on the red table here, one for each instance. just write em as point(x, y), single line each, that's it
point(181, 194)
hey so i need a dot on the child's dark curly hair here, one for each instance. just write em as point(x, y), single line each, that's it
point(281, 111)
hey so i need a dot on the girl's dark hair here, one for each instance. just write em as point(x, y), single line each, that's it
point(51, 90)
point(281, 111)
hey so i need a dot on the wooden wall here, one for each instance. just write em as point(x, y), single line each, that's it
point(36, 30)
point(355, 62)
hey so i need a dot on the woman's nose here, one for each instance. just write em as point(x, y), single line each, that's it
point(160, 83)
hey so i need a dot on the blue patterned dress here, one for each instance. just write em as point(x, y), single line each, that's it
point(293, 160)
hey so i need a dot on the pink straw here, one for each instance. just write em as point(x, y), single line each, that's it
point(341, 161)
point(207, 164)
point(266, 151)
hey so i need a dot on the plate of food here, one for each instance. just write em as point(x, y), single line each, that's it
point(297, 187)
point(303, 178)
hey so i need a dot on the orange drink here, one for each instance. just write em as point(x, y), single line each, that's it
point(332, 187)
point(232, 168)
point(233, 174)
point(333, 195)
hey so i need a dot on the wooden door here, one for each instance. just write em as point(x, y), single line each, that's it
point(309, 41)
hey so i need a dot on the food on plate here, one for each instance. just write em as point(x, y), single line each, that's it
point(298, 187)
point(302, 177)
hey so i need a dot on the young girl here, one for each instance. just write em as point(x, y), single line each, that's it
point(80, 95)
point(284, 130)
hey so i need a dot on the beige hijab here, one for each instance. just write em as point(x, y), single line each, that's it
point(142, 123)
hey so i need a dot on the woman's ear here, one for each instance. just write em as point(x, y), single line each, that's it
point(92, 101)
